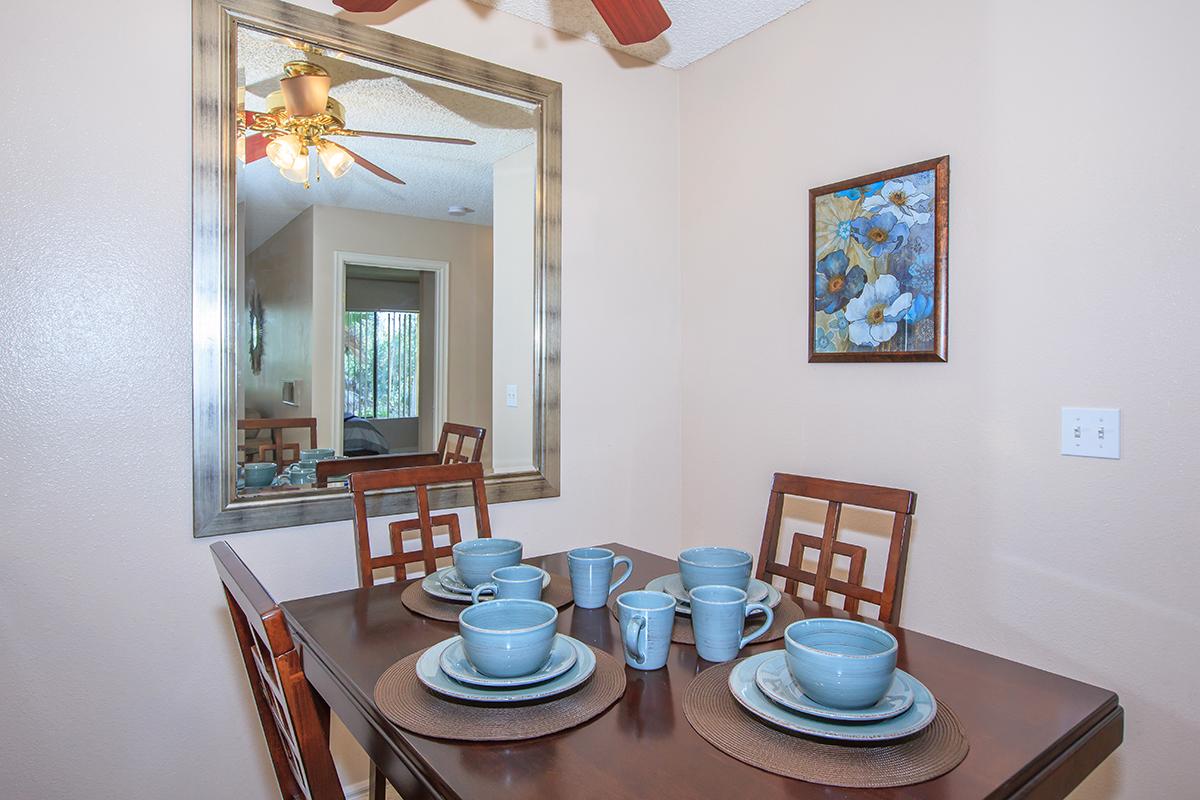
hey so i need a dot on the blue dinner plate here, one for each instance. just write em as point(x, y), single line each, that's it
point(451, 581)
point(454, 662)
point(429, 672)
point(758, 592)
point(432, 585)
point(775, 680)
point(746, 692)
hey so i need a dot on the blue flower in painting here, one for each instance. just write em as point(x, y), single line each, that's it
point(823, 342)
point(859, 192)
point(880, 234)
point(874, 313)
point(921, 308)
point(920, 273)
point(837, 323)
point(901, 199)
point(837, 282)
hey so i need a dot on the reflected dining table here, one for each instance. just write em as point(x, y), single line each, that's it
point(1032, 734)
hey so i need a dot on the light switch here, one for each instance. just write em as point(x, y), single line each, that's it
point(1091, 432)
point(510, 395)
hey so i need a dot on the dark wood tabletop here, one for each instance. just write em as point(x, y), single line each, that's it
point(1032, 734)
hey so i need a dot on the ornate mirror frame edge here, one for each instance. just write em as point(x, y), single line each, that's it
point(215, 310)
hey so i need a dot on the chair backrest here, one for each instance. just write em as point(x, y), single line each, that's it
point(277, 425)
point(900, 502)
point(295, 720)
point(452, 452)
point(419, 479)
point(348, 466)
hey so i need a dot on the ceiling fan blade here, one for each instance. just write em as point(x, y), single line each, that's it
point(633, 21)
point(412, 137)
point(305, 95)
point(364, 6)
point(256, 147)
point(372, 168)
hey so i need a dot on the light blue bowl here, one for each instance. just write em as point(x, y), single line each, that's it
point(317, 454)
point(259, 473)
point(477, 559)
point(715, 566)
point(839, 662)
point(508, 638)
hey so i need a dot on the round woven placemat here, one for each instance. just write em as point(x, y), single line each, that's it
point(557, 594)
point(711, 710)
point(787, 612)
point(404, 700)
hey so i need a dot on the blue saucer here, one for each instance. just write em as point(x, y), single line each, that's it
point(451, 581)
point(432, 585)
point(746, 692)
point(454, 662)
point(429, 672)
point(758, 592)
point(775, 680)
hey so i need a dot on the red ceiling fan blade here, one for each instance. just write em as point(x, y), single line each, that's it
point(633, 21)
point(411, 137)
point(256, 147)
point(365, 6)
point(372, 168)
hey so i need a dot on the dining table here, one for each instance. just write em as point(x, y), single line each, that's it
point(1032, 733)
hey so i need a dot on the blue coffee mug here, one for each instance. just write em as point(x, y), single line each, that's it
point(718, 617)
point(520, 582)
point(646, 621)
point(591, 570)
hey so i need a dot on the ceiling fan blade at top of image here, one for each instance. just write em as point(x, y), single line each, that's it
point(633, 21)
point(411, 137)
point(375, 169)
point(364, 6)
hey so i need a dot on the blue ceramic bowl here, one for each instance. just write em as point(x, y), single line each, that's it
point(317, 454)
point(259, 473)
point(841, 663)
point(508, 638)
point(477, 559)
point(715, 566)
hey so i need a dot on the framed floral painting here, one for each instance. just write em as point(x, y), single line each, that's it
point(878, 265)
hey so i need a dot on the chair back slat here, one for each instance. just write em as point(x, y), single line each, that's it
point(277, 445)
point(419, 479)
point(294, 719)
point(349, 466)
point(899, 502)
point(452, 452)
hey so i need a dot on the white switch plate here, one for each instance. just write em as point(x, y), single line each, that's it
point(1092, 432)
point(510, 395)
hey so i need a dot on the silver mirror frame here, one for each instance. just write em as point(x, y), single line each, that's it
point(214, 286)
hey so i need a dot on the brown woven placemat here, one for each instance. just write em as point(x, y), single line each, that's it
point(557, 594)
point(405, 701)
point(714, 714)
point(787, 612)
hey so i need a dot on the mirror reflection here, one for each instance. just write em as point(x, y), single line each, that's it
point(386, 263)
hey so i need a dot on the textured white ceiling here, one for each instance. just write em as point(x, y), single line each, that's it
point(379, 98)
point(698, 27)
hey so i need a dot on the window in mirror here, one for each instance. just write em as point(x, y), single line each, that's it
point(381, 354)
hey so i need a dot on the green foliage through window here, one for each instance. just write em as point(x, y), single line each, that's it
point(381, 363)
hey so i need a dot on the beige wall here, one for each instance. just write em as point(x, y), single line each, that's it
point(1071, 129)
point(121, 654)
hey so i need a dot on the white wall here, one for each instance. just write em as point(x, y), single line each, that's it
point(120, 675)
point(1071, 129)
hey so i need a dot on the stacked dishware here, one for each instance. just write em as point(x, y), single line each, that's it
point(719, 566)
point(304, 471)
point(486, 566)
point(836, 679)
point(507, 651)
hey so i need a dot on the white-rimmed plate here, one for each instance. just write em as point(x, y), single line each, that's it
point(775, 680)
point(429, 672)
point(454, 662)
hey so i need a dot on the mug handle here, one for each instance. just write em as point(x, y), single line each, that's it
point(628, 562)
point(761, 629)
point(481, 588)
point(633, 637)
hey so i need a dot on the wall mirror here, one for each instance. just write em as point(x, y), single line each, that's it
point(375, 262)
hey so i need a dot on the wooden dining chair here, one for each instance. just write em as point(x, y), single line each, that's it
point(463, 433)
point(900, 502)
point(295, 719)
point(277, 426)
point(420, 479)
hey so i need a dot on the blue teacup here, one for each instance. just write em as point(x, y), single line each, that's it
point(646, 621)
point(520, 582)
point(508, 638)
point(715, 566)
point(302, 477)
point(839, 662)
point(477, 559)
point(317, 454)
point(259, 473)
point(718, 618)
point(591, 570)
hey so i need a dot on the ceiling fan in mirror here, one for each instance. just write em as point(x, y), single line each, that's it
point(631, 21)
point(300, 117)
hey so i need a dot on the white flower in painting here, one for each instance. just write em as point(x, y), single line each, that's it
point(900, 199)
point(874, 313)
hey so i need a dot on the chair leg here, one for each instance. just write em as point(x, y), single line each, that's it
point(378, 788)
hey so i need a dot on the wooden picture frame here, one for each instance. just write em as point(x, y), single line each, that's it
point(878, 266)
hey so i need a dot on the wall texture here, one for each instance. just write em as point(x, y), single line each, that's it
point(121, 677)
point(1074, 176)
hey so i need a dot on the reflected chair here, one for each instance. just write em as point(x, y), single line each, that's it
point(277, 446)
point(420, 479)
point(295, 719)
point(901, 503)
point(463, 434)
point(443, 455)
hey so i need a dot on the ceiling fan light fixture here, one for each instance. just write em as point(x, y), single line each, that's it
point(459, 211)
point(298, 171)
point(284, 150)
point(336, 160)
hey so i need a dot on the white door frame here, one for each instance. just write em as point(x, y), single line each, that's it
point(441, 357)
